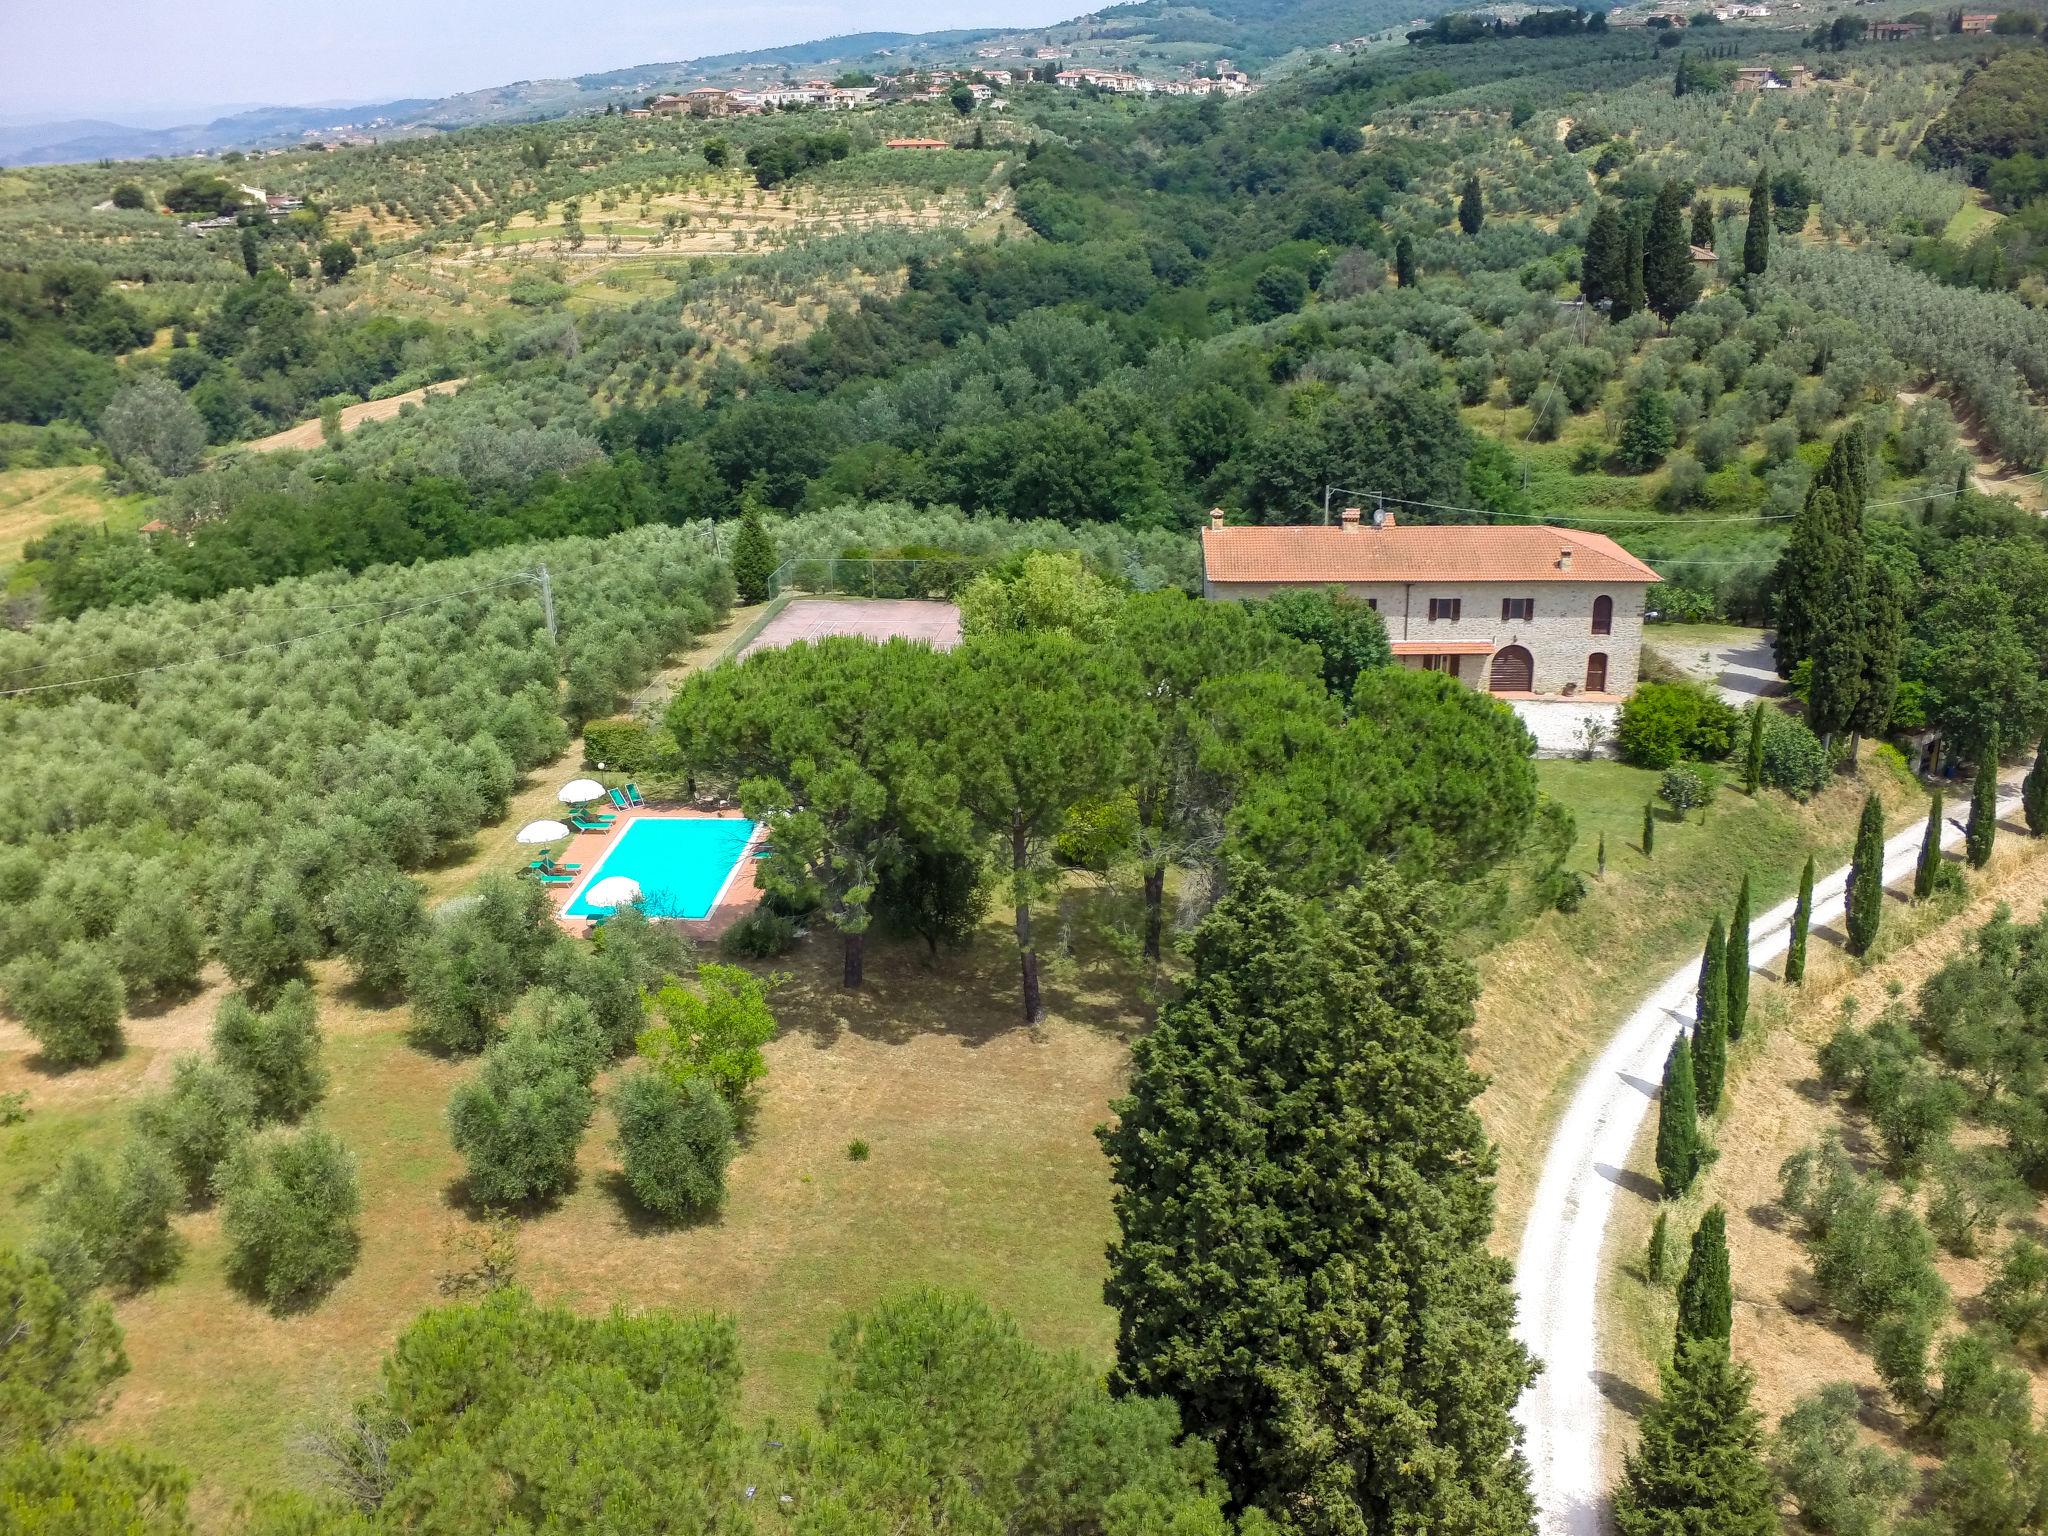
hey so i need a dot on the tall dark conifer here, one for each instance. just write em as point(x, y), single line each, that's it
point(1698, 1465)
point(1883, 643)
point(1703, 222)
point(1668, 279)
point(2034, 791)
point(1802, 920)
point(1303, 1196)
point(1706, 1299)
point(1601, 276)
point(1471, 207)
point(1404, 262)
point(1865, 897)
point(1710, 1032)
point(1925, 871)
point(1631, 298)
point(1756, 238)
point(1736, 962)
point(1678, 1122)
point(1982, 831)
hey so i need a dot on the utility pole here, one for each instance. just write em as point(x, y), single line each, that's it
point(547, 601)
point(1326, 504)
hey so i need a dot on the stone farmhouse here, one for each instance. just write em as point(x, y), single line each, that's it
point(1523, 612)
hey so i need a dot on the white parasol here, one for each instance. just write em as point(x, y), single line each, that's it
point(543, 832)
point(577, 791)
point(613, 891)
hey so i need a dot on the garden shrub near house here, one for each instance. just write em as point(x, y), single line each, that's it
point(1663, 723)
point(1793, 758)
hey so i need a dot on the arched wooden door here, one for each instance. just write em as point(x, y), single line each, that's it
point(1513, 669)
point(1596, 672)
point(1603, 615)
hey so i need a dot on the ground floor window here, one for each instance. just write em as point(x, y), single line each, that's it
point(1450, 664)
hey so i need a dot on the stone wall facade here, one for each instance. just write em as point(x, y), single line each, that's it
point(1559, 638)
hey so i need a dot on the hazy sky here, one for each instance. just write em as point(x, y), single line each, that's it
point(98, 56)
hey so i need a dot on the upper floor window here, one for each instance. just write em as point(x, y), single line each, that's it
point(1603, 615)
point(1446, 607)
point(1523, 608)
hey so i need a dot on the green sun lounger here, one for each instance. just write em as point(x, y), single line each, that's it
point(633, 794)
point(582, 825)
point(619, 799)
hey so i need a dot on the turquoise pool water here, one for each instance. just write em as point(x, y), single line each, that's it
point(680, 863)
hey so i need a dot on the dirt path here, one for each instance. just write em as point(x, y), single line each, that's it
point(1559, 1272)
point(1988, 473)
point(307, 433)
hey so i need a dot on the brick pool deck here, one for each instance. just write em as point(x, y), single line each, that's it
point(740, 896)
point(871, 618)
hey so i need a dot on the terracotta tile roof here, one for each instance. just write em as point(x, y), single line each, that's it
point(1443, 647)
point(1416, 552)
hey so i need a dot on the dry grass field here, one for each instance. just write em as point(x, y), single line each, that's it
point(1778, 1105)
point(33, 501)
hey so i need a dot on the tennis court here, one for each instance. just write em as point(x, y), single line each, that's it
point(873, 618)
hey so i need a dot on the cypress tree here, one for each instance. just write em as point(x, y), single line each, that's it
point(753, 558)
point(1678, 1122)
point(1706, 1301)
point(1756, 239)
point(1657, 1261)
point(1820, 584)
point(1710, 1032)
point(1404, 262)
point(1633, 296)
point(1753, 757)
point(1930, 853)
point(1600, 272)
point(1703, 223)
point(1883, 643)
point(1246, 1170)
point(1802, 919)
point(1667, 256)
point(1835, 685)
point(1649, 828)
point(1982, 830)
point(1698, 1464)
point(1471, 207)
point(2034, 791)
point(1805, 579)
point(1866, 879)
point(1737, 963)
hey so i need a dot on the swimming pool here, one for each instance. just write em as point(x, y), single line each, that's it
point(681, 864)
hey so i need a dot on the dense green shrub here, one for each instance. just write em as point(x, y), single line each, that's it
point(375, 914)
point(1842, 1484)
point(675, 1140)
point(761, 934)
point(203, 1116)
point(112, 1228)
point(468, 966)
point(158, 942)
point(71, 1002)
point(1794, 759)
point(275, 1051)
point(288, 1207)
point(624, 746)
point(1664, 722)
point(518, 1121)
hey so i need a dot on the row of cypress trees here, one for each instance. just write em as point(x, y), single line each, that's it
point(1699, 1462)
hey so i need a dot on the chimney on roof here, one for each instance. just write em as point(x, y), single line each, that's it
point(1350, 518)
point(1564, 558)
point(1215, 517)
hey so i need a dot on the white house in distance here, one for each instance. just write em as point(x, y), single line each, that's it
point(1527, 612)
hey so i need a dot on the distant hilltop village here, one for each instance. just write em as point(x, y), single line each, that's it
point(1223, 79)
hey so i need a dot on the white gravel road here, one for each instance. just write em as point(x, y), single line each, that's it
point(1559, 1274)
